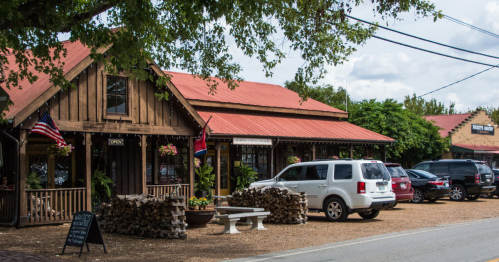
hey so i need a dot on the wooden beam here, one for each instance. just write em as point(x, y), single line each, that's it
point(267, 108)
point(119, 128)
point(88, 171)
point(190, 160)
point(143, 171)
point(313, 151)
point(51, 91)
point(351, 151)
point(23, 212)
point(217, 166)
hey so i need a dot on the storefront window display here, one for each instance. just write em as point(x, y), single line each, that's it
point(172, 169)
point(256, 157)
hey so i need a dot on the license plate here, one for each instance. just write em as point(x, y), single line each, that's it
point(446, 184)
point(402, 185)
point(381, 188)
point(488, 180)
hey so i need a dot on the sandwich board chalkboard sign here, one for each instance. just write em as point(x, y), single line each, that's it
point(84, 229)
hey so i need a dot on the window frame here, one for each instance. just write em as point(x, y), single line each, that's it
point(129, 90)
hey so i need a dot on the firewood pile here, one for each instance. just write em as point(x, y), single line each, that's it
point(145, 215)
point(285, 206)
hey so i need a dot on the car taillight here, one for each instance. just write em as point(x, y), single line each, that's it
point(437, 183)
point(361, 187)
point(477, 178)
point(450, 182)
point(394, 184)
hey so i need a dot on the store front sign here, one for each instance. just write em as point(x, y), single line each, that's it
point(252, 141)
point(482, 130)
point(115, 142)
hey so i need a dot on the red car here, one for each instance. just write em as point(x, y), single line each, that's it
point(401, 183)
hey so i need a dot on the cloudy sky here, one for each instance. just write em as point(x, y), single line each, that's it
point(384, 70)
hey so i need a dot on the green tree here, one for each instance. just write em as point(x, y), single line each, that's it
point(417, 139)
point(493, 112)
point(422, 107)
point(187, 34)
point(325, 94)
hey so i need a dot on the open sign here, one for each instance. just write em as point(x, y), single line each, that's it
point(115, 142)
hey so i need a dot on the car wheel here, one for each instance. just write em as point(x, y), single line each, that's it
point(473, 197)
point(335, 210)
point(432, 200)
point(418, 196)
point(369, 215)
point(489, 195)
point(458, 193)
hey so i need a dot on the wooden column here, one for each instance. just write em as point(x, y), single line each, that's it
point(88, 171)
point(143, 170)
point(155, 175)
point(351, 151)
point(217, 171)
point(383, 153)
point(313, 151)
point(23, 211)
point(190, 160)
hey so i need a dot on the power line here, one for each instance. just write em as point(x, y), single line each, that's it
point(423, 39)
point(470, 26)
point(432, 52)
point(459, 81)
point(489, 101)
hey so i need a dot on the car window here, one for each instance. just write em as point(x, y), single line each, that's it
point(375, 171)
point(318, 172)
point(396, 171)
point(342, 172)
point(440, 168)
point(424, 167)
point(412, 175)
point(483, 169)
point(292, 174)
point(462, 168)
point(424, 174)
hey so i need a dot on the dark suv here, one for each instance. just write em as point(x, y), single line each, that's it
point(469, 178)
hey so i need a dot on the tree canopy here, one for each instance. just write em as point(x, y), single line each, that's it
point(187, 34)
point(422, 107)
point(325, 94)
point(417, 139)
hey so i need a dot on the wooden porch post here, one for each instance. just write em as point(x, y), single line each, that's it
point(313, 151)
point(217, 172)
point(23, 204)
point(351, 151)
point(88, 171)
point(143, 171)
point(383, 153)
point(190, 160)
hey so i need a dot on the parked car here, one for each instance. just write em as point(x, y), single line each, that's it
point(339, 187)
point(428, 186)
point(469, 178)
point(496, 183)
point(401, 183)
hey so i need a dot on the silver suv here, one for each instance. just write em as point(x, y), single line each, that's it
point(339, 187)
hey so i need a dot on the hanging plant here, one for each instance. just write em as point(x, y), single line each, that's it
point(197, 162)
point(293, 160)
point(56, 150)
point(168, 150)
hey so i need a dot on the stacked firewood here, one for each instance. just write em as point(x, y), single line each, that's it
point(285, 206)
point(145, 216)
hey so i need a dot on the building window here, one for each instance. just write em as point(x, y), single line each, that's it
point(257, 158)
point(174, 169)
point(116, 95)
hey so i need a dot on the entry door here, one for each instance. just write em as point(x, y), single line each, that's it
point(211, 160)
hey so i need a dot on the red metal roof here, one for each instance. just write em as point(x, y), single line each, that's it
point(478, 147)
point(248, 93)
point(447, 122)
point(23, 97)
point(293, 127)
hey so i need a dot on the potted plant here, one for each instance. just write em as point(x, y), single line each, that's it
point(245, 178)
point(205, 182)
point(293, 160)
point(56, 150)
point(204, 202)
point(193, 203)
point(32, 181)
point(168, 150)
point(100, 185)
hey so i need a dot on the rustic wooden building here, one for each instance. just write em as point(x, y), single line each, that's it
point(262, 125)
point(115, 124)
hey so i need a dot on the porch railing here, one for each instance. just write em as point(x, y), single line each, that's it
point(7, 206)
point(48, 206)
point(161, 190)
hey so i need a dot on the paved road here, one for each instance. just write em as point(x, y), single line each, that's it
point(472, 241)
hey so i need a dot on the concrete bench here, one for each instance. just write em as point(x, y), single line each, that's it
point(230, 221)
point(232, 210)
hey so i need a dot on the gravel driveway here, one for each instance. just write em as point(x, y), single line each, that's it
point(207, 245)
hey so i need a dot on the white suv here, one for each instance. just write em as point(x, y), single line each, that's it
point(339, 187)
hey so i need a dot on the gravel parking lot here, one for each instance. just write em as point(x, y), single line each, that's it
point(207, 245)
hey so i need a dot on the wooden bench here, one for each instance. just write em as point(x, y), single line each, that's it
point(233, 210)
point(230, 221)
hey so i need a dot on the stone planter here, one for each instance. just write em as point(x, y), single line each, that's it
point(198, 218)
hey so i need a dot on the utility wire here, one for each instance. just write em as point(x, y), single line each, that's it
point(470, 26)
point(432, 52)
point(409, 35)
point(459, 81)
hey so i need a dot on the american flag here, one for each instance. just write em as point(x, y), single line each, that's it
point(46, 127)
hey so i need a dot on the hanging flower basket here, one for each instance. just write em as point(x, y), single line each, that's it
point(168, 150)
point(293, 160)
point(56, 150)
point(197, 162)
